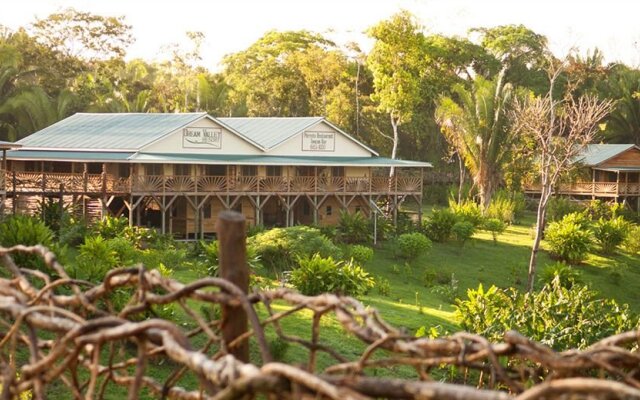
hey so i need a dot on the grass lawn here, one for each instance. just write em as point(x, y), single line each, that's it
point(410, 303)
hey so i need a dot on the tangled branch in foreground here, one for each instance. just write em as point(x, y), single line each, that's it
point(74, 336)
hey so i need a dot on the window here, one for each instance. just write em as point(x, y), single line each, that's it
point(215, 170)
point(337, 172)
point(94, 168)
point(206, 211)
point(274, 170)
point(154, 169)
point(181, 170)
point(249, 170)
point(306, 209)
point(64, 167)
point(123, 170)
point(304, 171)
point(32, 166)
point(329, 210)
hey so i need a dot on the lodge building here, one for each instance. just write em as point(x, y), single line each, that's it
point(176, 172)
point(604, 171)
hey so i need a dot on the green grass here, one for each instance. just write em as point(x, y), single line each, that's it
point(410, 304)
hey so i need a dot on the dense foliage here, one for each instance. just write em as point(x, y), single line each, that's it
point(316, 275)
point(280, 248)
point(28, 231)
point(411, 245)
point(570, 238)
point(543, 315)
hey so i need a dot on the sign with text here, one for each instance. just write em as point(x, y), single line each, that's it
point(318, 141)
point(202, 137)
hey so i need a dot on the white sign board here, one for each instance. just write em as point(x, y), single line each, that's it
point(202, 138)
point(318, 141)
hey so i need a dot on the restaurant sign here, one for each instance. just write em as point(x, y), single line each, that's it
point(202, 137)
point(318, 141)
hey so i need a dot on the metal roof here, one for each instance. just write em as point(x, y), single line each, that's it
point(270, 132)
point(109, 131)
point(9, 145)
point(619, 169)
point(595, 154)
point(274, 160)
point(80, 156)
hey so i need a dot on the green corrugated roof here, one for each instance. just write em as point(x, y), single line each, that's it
point(595, 154)
point(269, 132)
point(125, 131)
point(80, 156)
point(274, 160)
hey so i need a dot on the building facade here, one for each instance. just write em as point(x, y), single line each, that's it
point(176, 172)
point(605, 171)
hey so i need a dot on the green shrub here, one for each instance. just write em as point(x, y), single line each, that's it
point(72, 231)
point(111, 227)
point(126, 254)
point(383, 226)
point(558, 207)
point(449, 290)
point(495, 227)
point(353, 228)
point(469, 211)
point(506, 207)
point(438, 226)
point(29, 231)
point(279, 248)
point(360, 254)
point(53, 213)
point(610, 233)
point(579, 218)
point(95, 259)
point(559, 317)
point(598, 209)
point(463, 231)
point(411, 245)
point(316, 275)
point(568, 240)
point(383, 286)
point(209, 256)
point(567, 276)
point(632, 241)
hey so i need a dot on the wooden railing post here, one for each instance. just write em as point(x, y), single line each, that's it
point(230, 228)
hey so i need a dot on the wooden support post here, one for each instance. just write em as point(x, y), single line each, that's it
point(163, 208)
point(13, 183)
point(230, 228)
point(84, 190)
point(103, 178)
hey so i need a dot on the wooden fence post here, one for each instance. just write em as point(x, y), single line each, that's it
point(230, 228)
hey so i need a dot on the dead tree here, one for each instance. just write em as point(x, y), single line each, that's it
point(559, 131)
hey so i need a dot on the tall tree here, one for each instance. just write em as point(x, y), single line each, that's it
point(523, 52)
point(623, 124)
point(285, 74)
point(84, 35)
point(559, 131)
point(396, 63)
point(476, 125)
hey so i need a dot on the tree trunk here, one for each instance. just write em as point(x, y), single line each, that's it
point(394, 124)
point(461, 177)
point(540, 217)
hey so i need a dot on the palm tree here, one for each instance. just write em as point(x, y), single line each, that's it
point(32, 109)
point(623, 124)
point(474, 122)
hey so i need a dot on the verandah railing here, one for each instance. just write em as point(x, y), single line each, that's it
point(592, 188)
point(97, 183)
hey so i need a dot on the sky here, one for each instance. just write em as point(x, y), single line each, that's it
point(232, 25)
